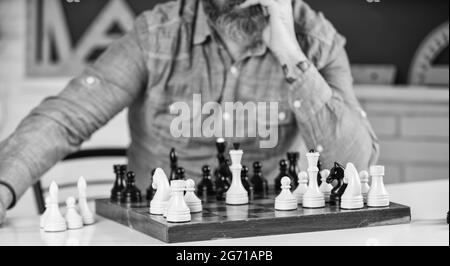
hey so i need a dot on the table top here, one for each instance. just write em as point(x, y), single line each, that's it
point(429, 202)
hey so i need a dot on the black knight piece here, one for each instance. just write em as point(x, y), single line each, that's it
point(206, 185)
point(260, 184)
point(337, 175)
point(131, 194)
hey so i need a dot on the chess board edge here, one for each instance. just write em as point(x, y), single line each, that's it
point(140, 220)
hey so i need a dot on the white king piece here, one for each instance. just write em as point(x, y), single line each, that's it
point(313, 198)
point(236, 194)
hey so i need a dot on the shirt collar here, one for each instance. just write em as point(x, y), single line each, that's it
point(203, 30)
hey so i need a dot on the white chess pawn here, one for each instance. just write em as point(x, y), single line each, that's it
point(45, 214)
point(352, 198)
point(162, 196)
point(302, 186)
point(73, 219)
point(365, 188)
point(236, 194)
point(54, 221)
point(378, 195)
point(178, 211)
point(191, 199)
point(325, 188)
point(313, 198)
point(286, 201)
point(86, 214)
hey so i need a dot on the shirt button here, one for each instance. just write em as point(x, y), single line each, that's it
point(298, 104)
point(320, 148)
point(304, 66)
point(234, 70)
point(282, 116)
point(363, 114)
point(226, 116)
point(91, 80)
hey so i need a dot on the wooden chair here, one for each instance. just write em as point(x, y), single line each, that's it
point(83, 154)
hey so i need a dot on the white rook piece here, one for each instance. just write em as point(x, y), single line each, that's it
point(178, 211)
point(352, 198)
point(286, 201)
point(54, 221)
point(73, 219)
point(88, 216)
point(191, 199)
point(365, 188)
point(45, 214)
point(236, 194)
point(378, 195)
point(313, 198)
point(162, 196)
point(325, 188)
point(302, 187)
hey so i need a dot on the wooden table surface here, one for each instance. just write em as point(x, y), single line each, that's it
point(429, 202)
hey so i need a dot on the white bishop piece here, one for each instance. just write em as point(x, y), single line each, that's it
point(54, 221)
point(73, 219)
point(325, 188)
point(86, 214)
point(45, 214)
point(378, 196)
point(313, 198)
point(236, 194)
point(365, 188)
point(352, 198)
point(178, 211)
point(286, 201)
point(191, 199)
point(162, 196)
point(302, 186)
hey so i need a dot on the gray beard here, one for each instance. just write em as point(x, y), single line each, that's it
point(244, 26)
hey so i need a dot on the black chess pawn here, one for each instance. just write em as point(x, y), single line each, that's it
point(150, 191)
point(206, 185)
point(246, 179)
point(337, 176)
point(131, 194)
point(293, 158)
point(117, 183)
point(222, 187)
point(180, 174)
point(173, 164)
point(260, 184)
point(283, 172)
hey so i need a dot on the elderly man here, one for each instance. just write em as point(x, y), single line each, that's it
point(224, 50)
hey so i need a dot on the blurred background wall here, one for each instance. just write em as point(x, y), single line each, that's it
point(398, 48)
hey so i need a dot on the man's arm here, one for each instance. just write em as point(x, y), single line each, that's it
point(60, 124)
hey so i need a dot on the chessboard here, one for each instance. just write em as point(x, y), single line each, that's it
point(259, 218)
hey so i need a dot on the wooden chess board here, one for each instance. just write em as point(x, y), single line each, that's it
point(259, 218)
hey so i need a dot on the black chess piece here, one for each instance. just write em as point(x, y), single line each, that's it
point(293, 158)
point(117, 183)
point(319, 176)
point(246, 179)
point(260, 184)
point(173, 164)
point(337, 175)
point(206, 184)
point(150, 191)
point(180, 174)
point(283, 172)
point(122, 171)
point(222, 174)
point(131, 194)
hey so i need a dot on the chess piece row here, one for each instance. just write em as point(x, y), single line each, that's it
point(351, 192)
point(175, 200)
point(75, 218)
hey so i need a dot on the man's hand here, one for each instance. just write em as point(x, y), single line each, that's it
point(5, 199)
point(280, 35)
point(2, 212)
